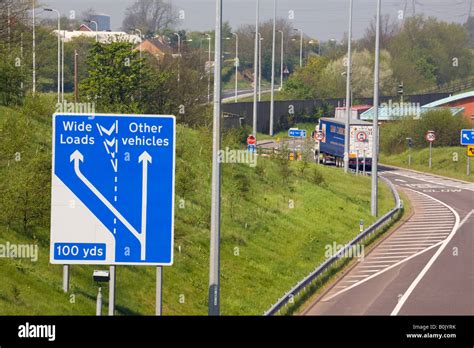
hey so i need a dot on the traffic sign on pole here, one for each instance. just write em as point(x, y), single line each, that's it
point(251, 140)
point(467, 137)
point(296, 133)
point(112, 189)
point(430, 136)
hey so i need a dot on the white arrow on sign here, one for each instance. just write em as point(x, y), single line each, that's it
point(77, 157)
point(465, 136)
point(144, 158)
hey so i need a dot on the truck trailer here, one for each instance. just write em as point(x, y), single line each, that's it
point(331, 145)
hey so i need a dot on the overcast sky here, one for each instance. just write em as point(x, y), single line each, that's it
point(320, 19)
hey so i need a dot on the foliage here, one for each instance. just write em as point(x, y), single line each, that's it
point(150, 16)
point(393, 134)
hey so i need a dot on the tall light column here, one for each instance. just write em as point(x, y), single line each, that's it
point(255, 71)
point(96, 29)
point(272, 92)
point(237, 63)
point(281, 61)
point(34, 49)
point(260, 67)
point(301, 46)
point(59, 49)
point(348, 93)
point(179, 54)
point(209, 70)
point(214, 269)
point(375, 144)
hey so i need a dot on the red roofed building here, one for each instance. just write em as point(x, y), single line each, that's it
point(463, 100)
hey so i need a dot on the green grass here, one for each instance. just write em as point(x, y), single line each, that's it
point(275, 225)
point(309, 127)
point(443, 163)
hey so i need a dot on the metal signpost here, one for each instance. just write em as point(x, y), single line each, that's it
point(113, 190)
point(410, 145)
point(430, 137)
point(319, 138)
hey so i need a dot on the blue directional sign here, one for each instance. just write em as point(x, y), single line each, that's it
point(112, 189)
point(296, 133)
point(467, 137)
point(251, 148)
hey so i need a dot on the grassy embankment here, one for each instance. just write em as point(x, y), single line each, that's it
point(447, 161)
point(277, 219)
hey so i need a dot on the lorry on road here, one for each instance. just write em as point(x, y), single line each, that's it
point(331, 146)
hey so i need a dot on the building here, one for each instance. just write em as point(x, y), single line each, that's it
point(356, 111)
point(102, 36)
point(103, 21)
point(391, 113)
point(157, 47)
point(462, 100)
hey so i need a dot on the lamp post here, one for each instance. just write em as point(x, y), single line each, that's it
point(272, 87)
point(140, 47)
point(59, 48)
point(260, 67)
point(209, 70)
point(34, 49)
point(179, 54)
point(96, 28)
point(375, 147)
point(301, 46)
point(348, 93)
point(237, 63)
point(281, 61)
point(255, 70)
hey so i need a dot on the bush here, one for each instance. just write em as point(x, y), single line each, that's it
point(316, 177)
point(447, 127)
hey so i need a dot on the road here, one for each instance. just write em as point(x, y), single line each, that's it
point(229, 95)
point(424, 267)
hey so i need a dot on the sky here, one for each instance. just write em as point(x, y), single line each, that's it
point(319, 19)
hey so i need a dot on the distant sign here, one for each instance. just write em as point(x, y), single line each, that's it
point(430, 136)
point(361, 136)
point(251, 148)
point(112, 189)
point(251, 140)
point(470, 150)
point(296, 133)
point(467, 137)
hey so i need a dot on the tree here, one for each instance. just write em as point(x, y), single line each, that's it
point(150, 16)
point(115, 76)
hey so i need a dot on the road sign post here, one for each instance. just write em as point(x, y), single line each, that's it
point(112, 291)
point(65, 278)
point(159, 291)
point(363, 165)
point(430, 137)
point(98, 306)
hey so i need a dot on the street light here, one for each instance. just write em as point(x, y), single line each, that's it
point(96, 28)
point(260, 68)
point(375, 147)
point(209, 70)
point(301, 46)
point(179, 54)
point(140, 46)
point(348, 93)
point(59, 47)
point(236, 64)
point(255, 71)
point(319, 45)
point(34, 49)
point(281, 61)
point(272, 92)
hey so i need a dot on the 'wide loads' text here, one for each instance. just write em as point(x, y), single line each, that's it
point(147, 135)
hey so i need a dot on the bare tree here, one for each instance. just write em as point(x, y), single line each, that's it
point(150, 16)
point(12, 14)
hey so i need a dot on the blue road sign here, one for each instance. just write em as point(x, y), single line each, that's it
point(112, 189)
point(251, 148)
point(296, 133)
point(467, 137)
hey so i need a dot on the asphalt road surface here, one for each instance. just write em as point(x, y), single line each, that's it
point(424, 267)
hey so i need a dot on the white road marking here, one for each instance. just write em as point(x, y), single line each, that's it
point(420, 276)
